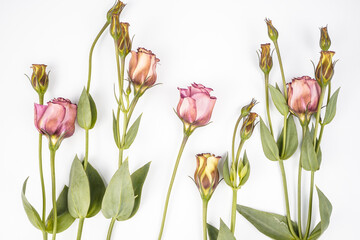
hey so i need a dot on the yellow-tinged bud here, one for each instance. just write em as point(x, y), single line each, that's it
point(115, 28)
point(272, 32)
point(124, 41)
point(265, 62)
point(206, 175)
point(115, 10)
point(325, 41)
point(247, 108)
point(243, 170)
point(325, 68)
point(39, 78)
point(248, 126)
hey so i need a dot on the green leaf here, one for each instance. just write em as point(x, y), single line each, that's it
point(308, 156)
point(325, 210)
point(131, 134)
point(93, 111)
point(226, 172)
point(331, 108)
point(213, 232)
point(119, 196)
point(79, 190)
point(116, 137)
point(279, 100)
point(31, 212)
point(64, 218)
point(97, 190)
point(316, 233)
point(138, 179)
point(84, 111)
point(224, 232)
point(272, 225)
point(246, 167)
point(269, 146)
point(291, 139)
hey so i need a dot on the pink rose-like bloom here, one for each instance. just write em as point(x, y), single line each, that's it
point(303, 95)
point(57, 119)
point(196, 105)
point(142, 68)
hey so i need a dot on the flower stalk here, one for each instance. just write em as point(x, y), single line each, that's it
point(53, 189)
point(205, 205)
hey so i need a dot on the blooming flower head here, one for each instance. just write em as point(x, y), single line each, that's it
point(303, 97)
point(195, 106)
point(206, 175)
point(56, 120)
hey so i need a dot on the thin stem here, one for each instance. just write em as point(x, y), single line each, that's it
point(284, 136)
point(318, 114)
point(205, 205)
point(80, 228)
point(299, 189)
point(239, 150)
point(53, 187)
point(233, 210)
point(310, 205)
point(110, 228)
point(185, 138)
point(286, 195)
point(86, 148)
point(281, 68)
point(267, 102)
point(234, 136)
point(91, 53)
point(43, 218)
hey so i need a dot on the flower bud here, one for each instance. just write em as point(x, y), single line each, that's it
point(247, 108)
point(265, 58)
point(115, 27)
point(124, 42)
point(248, 126)
point(56, 120)
point(303, 97)
point(115, 10)
point(39, 78)
point(325, 41)
point(272, 32)
point(206, 175)
point(142, 69)
point(243, 170)
point(325, 68)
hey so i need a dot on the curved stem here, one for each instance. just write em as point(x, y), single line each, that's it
point(234, 136)
point(310, 205)
point(286, 196)
point(205, 205)
point(53, 187)
point(185, 138)
point(80, 227)
point(281, 68)
point(108, 237)
point(239, 150)
point(233, 210)
point(91, 53)
point(267, 102)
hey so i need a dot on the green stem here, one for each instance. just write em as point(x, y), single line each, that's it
point(86, 148)
point(185, 138)
point(234, 136)
point(205, 205)
point(43, 218)
point(53, 187)
point(299, 189)
point(267, 102)
point(80, 228)
point(318, 113)
point(310, 205)
point(110, 228)
point(233, 210)
point(281, 68)
point(239, 150)
point(91, 53)
point(286, 196)
point(284, 137)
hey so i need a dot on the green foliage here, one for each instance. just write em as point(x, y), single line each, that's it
point(86, 111)
point(308, 158)
point(132, 132)
point(97, 190)
point(279, 100)
point(291, 139)
point(331, 108)
point(269, 146)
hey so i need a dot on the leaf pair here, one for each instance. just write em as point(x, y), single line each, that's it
point(130, 135)
point(123, 194)
point(223, 233)
point(86, 111)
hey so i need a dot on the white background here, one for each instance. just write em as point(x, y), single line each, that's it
point(208, 42)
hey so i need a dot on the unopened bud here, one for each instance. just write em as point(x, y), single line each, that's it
point(247, 108)
point(325, 68)
point(243, 170)
point(124, 42)
point(115, 10)
point(248, 126)
point(265, 62)
point(206, 175)
point(325, 41)
point(272, 32)
point(115, 28)
point(39, 78)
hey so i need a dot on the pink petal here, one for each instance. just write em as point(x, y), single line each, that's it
point(204, 107)
point(300, 97)
point(142, 68)
point(39, 111)
point(199, 88)
point(132, 64)
point(315, 90)
point(151, 77)
point(184, 92)
point(67, 126)
point(186, 109)
point(52, 118)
